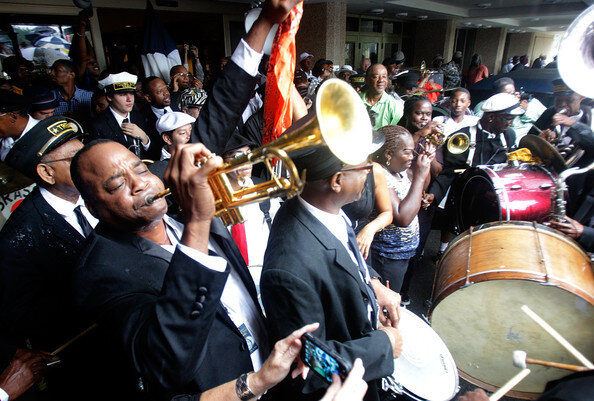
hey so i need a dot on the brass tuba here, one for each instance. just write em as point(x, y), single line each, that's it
point(340, 122)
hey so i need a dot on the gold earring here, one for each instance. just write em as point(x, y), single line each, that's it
point(388, 163)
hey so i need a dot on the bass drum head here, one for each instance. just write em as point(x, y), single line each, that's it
point(425, 368)
point(473, 200)
point(482, 325)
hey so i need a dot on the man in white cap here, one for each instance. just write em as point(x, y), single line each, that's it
point(490, 141)
point(306, 64)
point(119, 122)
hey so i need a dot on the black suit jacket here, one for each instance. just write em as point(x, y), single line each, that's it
point(106, 126)
point(221, 113)
point(308, 276)
point(39, 252)
point(165, 309)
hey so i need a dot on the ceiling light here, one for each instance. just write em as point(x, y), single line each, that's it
point(401, 14)
point(467, 23)
point(423, 17)
point(376, 11)
point(483, 5)
point(488, 26)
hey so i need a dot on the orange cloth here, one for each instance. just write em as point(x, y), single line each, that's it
point(476, 74)
point(431, 87)
point(278, 110)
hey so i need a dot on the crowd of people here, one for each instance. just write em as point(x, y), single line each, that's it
point(175, 305)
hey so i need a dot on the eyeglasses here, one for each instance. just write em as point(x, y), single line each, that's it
point(367, 167)
point(66, 159)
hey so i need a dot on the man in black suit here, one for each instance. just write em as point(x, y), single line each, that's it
point(158, 100)
point(189, 321)
point(119, 122)
point(314, 272)
point(40, 244)
point(167, 294)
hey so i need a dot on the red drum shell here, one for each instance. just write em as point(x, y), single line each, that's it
point(501, 192)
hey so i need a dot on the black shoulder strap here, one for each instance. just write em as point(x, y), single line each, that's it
point(265, 208)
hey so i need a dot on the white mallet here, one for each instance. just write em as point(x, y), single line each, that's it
point(509, 385)
point(520, 360)
point(572, 350)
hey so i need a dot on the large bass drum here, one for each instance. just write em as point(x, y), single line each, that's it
point(482, 281)
point(500, 192)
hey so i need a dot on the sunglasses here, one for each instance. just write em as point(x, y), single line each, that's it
point(367, 167)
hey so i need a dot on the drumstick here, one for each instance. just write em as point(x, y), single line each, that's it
point(557, 337)
point(509, 385)
point(520, 361)
point(75, 338)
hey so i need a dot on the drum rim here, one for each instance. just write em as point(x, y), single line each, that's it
point(490, 388)
point(521, 224)
point(522, 275)
point(456, 371)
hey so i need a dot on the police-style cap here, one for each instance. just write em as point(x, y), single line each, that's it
point(503, 103)
point(10, 101)
point(319, 163)
point(358, 81)
point(122, 82)
point(45, 136)
point(173, 120)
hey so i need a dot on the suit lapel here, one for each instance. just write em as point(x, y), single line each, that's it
point(116, 130)
point(329, 241)
point(220, 234)
point(143, 245)
point(61, 227)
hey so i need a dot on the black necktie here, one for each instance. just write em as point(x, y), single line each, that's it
point(362, 269)
point(125, 120)
point(82, 220)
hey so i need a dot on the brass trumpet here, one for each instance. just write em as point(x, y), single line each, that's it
point(340, 122)
point(456, 144)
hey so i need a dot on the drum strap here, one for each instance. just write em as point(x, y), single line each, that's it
point(471, 149)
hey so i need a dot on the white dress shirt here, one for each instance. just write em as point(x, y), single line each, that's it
point(247, 58)
point(165, 155)
point(66, 209)
point(3, 395)
point(120, 121)
point(235, 298)
point(7, 143)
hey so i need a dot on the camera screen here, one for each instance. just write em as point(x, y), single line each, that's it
point(320, 361)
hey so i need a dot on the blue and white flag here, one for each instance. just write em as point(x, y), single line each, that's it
point(159, 53)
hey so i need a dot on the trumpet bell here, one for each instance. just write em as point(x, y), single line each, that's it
point(458, 143)
point(343, 121)
point(576, 54)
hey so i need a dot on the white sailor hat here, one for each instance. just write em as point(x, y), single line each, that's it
point(503, 103)
point(304, 55)
point(119, 83)
point(173, 120)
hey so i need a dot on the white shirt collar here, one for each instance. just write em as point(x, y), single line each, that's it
point(335, 223)
point(165, 155)
point(159, 112)
point(60, 205)
point(119, 118)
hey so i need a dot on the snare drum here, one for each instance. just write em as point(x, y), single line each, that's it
point(499, 192)
point(425, 370)
point(482, 281)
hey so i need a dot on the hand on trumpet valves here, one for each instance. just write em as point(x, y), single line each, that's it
point(563, 119)
point(188, 180)
point(430, 129)
point(548, 135)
